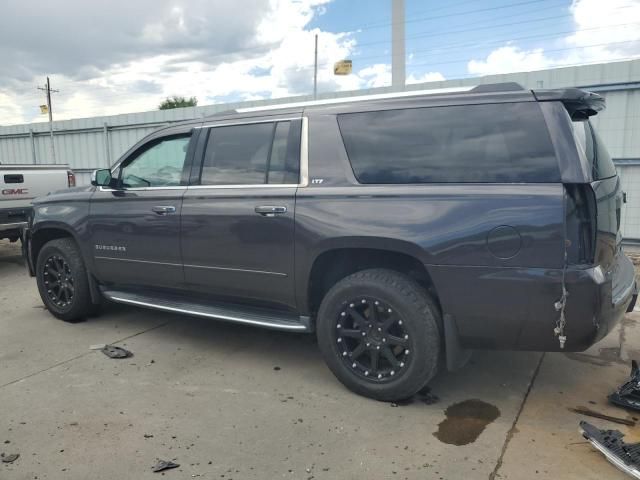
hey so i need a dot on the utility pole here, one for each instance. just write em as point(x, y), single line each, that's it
point(397, 45)
point(47, 89)
point(315, 70)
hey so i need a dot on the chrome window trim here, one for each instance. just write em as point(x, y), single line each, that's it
point(257, 185)
point(304, 165)
point(304, 153)
point(138, 189)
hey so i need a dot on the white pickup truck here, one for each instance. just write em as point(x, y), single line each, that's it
point(19, 185)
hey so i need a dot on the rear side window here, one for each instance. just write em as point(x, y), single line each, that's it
point(492, 143)
point(591, 144)
point(251, 154)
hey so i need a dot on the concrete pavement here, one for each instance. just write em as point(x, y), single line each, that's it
point(233, 402)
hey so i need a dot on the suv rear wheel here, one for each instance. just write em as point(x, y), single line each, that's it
point(378, 331)
point(62, 280)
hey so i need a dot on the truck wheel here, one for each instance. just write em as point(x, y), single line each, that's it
point(378, 331)
point(62, 280)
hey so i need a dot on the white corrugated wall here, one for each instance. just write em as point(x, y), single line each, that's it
point(90, 143)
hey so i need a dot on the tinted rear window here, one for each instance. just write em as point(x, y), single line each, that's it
point(252, 154)
point(497, 143)
point(591, 144)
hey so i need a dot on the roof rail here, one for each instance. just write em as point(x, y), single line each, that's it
point(498, 87)
point(356, 98)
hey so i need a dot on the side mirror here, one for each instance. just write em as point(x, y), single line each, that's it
point(101, 178)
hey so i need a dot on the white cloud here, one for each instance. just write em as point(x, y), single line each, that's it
point(509, 59)
point(604, 31)
point(276, 60)
point(425, 77)
point(377, 75)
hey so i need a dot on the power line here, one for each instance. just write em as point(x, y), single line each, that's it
point(459, 46)
point(430, 33)
point(467, 12)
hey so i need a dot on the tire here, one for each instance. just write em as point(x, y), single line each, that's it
point(62, 255)
point(404, 312)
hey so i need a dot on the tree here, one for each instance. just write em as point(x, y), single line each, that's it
point(177, 102)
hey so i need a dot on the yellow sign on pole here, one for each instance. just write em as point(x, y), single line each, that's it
point(44, 109)
point(343, 67)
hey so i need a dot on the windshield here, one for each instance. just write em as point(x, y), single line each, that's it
point(591, 144)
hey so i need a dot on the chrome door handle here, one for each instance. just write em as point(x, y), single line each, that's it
point(164, 209)
point(270, 210)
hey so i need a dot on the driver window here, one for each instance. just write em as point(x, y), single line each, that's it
point(160, 165)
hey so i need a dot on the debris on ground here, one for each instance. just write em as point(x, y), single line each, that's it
point(628, 394)
point(625, 456)
point(162, 465)
point(592, 413)
point(112, 351)
point(9, 458)
point(98, 346)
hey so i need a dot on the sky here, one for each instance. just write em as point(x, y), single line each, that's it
point(126, 56)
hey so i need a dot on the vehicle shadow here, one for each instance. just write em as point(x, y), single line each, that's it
point(489, 373)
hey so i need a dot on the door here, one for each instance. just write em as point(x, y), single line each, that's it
point(135, 226)
point(238, 220)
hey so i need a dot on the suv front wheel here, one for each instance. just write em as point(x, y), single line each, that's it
point(62, 280)
point(378, 331)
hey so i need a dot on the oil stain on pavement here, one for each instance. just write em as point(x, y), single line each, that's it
point(465, 421)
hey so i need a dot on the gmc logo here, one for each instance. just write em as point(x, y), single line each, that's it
point(15, 191)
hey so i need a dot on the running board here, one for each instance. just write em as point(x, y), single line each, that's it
point(231, 313)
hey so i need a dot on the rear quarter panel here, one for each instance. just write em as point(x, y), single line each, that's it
point(449, 228)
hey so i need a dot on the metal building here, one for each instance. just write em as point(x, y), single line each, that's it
point(89, 143)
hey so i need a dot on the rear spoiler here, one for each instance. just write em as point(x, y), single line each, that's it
point(579, 103)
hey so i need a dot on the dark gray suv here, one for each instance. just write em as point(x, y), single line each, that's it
point(405, 230)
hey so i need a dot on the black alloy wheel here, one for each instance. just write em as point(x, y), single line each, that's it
point(379, 333)
point(372, 338)
point(63, 280)
point(59, 281)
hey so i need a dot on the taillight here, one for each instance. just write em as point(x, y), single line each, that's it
point(580, 223)
point(71, 178)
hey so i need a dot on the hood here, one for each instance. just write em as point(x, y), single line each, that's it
point(67, 194)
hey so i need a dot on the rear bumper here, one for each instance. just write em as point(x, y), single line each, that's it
point(598, 300)
point(514, 308)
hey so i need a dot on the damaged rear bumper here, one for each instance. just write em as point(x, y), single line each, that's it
point(598, 299)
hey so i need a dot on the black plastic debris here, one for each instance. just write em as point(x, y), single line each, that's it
point(162, 465)
point(9, 458)
point(625, 456)
point(112, 351)
point(628, 394)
